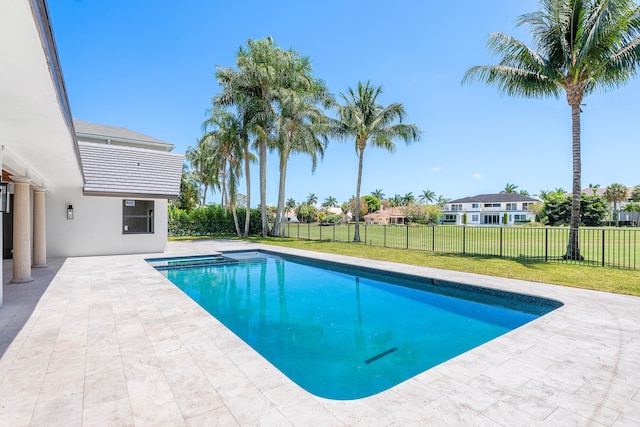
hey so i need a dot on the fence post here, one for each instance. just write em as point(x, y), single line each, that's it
point(365, 234)
point(334, 232)
point(348, 232)
point(433, 238)
point(603, 234)
point(501, 228)
point(546, 245)
point(308, 231)
point(407, 235)
point(320, 225)
point(384, 227)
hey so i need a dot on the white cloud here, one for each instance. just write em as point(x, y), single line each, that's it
point(436, 169)
point(477, 176)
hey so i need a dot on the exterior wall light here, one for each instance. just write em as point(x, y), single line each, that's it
point(70, 212)
point(4, 197)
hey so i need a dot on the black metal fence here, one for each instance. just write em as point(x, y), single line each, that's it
point(607, 247)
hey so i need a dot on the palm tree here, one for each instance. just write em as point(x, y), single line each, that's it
point(291, 204)
point(427, 196)
point(594, 188)
point(582, 46)
point(224, 131)
point(635, 194)
point(543, 194)
point(378, 194)
point(408, 199)
point(395, 201)
point(265, 73)
point(200, 159)
point(509, 188)
point(362, 118)
point(616, 193)
point(301, 127)
point(631, 209)
point(523, 193)
point(442, 201)
point(330, 202)
point(312, 199)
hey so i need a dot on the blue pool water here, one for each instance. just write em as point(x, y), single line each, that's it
point(344, 334)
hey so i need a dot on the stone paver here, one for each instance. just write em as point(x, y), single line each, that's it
point(109, 341)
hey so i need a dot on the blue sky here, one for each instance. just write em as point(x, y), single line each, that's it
point(149, 66)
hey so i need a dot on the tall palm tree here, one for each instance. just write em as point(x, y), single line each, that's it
point(265, 73)
point(581, 46)
point(330, 202)
point(523, 193)
point(594, 188)
point(312, 199)
point(362, 118)
point(301, 127)
point(225, 132)
point(509, 188)
point(427, 196)
point(408, 199)
point(378, 194)
point(616, 193)
point(291, 204)
point(635, 193)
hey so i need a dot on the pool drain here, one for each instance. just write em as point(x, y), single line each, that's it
point(378, 356)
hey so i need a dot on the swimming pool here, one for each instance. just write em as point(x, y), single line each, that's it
point(342, 332)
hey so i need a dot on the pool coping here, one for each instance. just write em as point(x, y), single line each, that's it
point(117, 322)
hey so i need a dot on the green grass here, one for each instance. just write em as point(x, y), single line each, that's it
point(573, 275)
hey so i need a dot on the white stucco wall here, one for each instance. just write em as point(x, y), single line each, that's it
point(96, 228)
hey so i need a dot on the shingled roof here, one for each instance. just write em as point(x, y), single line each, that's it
point(495, 198)
point(104, 132)
point(115, 170)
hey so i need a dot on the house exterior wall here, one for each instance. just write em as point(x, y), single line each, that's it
point(97, 228)
point(479, 214)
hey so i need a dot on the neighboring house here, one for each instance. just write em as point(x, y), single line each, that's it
point(101, 191)
point(489, 209)
point(386, 216)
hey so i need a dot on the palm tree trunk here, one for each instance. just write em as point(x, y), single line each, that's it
point(277, 226)
point(356, 235)
point(573, 248)
point(235, 218)
point(247, 215)
point(263, 188)
point(204, 194)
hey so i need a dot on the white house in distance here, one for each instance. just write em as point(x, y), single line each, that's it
point(489, 209)
point(102, 191)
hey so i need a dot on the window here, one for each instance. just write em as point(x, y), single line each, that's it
point(137, 216)
point(512, 206)
point(525, 204)
point(474, 218)
point(520, 218)
point(450, 218)
point(456, 208)
point(475, 205)
point(492, 205)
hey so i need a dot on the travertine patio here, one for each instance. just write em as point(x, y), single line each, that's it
point(109, 341)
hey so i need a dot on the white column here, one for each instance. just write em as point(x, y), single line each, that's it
point(21, 230)
point(39, 229)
